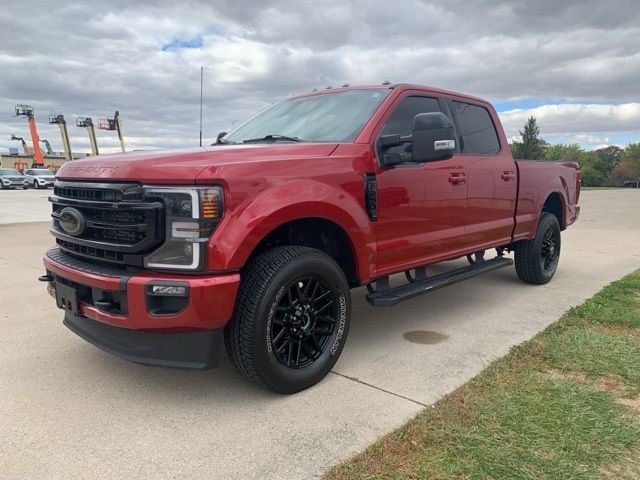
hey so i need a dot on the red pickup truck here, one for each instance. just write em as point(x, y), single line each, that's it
point(256, 241)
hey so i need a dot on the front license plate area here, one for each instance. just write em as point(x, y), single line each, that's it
point(66, 297)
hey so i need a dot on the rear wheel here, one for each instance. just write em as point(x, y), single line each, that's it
point(291, 319)
point(537, 259)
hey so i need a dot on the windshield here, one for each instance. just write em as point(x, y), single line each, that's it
point(43, 172)
point(328, 117)
point(9, 171)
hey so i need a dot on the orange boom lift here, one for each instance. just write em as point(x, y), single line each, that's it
point(27, 111)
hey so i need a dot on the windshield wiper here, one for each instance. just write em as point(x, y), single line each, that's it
point(272, 138)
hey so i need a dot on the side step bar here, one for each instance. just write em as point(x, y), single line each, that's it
point(384, 296)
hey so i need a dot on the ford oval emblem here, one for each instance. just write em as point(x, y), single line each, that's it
point(72, 221)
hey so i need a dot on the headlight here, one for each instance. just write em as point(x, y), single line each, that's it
point(191, 214)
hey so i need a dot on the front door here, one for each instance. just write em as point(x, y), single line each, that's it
point(421, 207)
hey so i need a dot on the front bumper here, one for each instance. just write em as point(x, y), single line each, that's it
point(194, 350)
point(115, 311)
point(15, 183)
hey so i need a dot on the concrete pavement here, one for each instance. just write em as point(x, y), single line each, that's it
point(71, 411)
point(20, 206)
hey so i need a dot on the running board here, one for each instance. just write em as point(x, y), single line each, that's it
point(387, 297)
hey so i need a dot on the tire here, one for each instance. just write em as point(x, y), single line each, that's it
point(291, 301)
point(537, 259)
point(26, 187)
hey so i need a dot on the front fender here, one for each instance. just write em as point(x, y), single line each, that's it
point(248, 224)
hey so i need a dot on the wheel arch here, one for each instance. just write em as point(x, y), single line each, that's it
point(319, 233)
point(310, 214)
point(555, 204)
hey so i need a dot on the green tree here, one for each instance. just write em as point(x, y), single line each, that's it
point(590, 164)
point(561, 152)
point(609, 157)
point(630, 160)
point(532, 147)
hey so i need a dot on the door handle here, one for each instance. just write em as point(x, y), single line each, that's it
point(508, 175)
point(457, 178)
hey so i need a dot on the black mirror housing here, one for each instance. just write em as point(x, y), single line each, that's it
point(219, 138)
point(433, 137)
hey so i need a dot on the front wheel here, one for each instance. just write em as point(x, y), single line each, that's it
point(537, 259)
point(291, 319)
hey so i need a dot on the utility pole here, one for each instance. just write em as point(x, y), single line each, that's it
point(201, 78)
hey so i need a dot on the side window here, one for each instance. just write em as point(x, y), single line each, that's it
point(478, 135)
point(401, 121)
point(28, 172)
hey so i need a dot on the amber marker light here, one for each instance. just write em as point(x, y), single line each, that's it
point(210, 203)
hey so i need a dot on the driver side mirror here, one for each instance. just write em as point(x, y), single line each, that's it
point(433, 137)
point(219, 138)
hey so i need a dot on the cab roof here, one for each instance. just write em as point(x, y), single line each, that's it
point(390, 86)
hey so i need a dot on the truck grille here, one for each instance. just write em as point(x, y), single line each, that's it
point(118, 226)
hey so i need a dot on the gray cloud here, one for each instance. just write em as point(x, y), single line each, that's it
point(91, 58)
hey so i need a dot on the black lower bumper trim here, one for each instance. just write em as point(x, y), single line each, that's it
point(194, 350)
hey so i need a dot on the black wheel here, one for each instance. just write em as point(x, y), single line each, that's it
point(537, 259)
point(26, 187)
point(36, 185)
point(291, 319)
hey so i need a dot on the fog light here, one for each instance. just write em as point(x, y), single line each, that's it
point(165, 298)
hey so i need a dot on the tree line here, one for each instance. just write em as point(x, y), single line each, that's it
point(607, 166)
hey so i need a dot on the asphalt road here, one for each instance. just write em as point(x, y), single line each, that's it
point(69, 410)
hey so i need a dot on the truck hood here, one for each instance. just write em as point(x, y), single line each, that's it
point(183, 166)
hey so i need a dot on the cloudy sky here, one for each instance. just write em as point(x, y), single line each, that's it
point(575, 65)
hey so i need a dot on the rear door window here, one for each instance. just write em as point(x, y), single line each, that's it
point(477, 132)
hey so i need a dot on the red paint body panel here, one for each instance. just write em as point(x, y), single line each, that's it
point(211, 299)
point(423, 216)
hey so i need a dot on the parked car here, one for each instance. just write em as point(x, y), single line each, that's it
point(257, 240)
point(40, 177)
point(12, 178)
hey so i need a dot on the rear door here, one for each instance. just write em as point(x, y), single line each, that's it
point(490, 174)
point(420, 206)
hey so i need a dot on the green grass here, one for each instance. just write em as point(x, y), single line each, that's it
point(552, 408)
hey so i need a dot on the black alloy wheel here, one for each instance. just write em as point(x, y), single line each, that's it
point(537, 259)
point(304, 322)
point(291, 318)
point(550, 250)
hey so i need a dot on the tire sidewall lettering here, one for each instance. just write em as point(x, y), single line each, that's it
point(272, 311)
point(341, 325)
